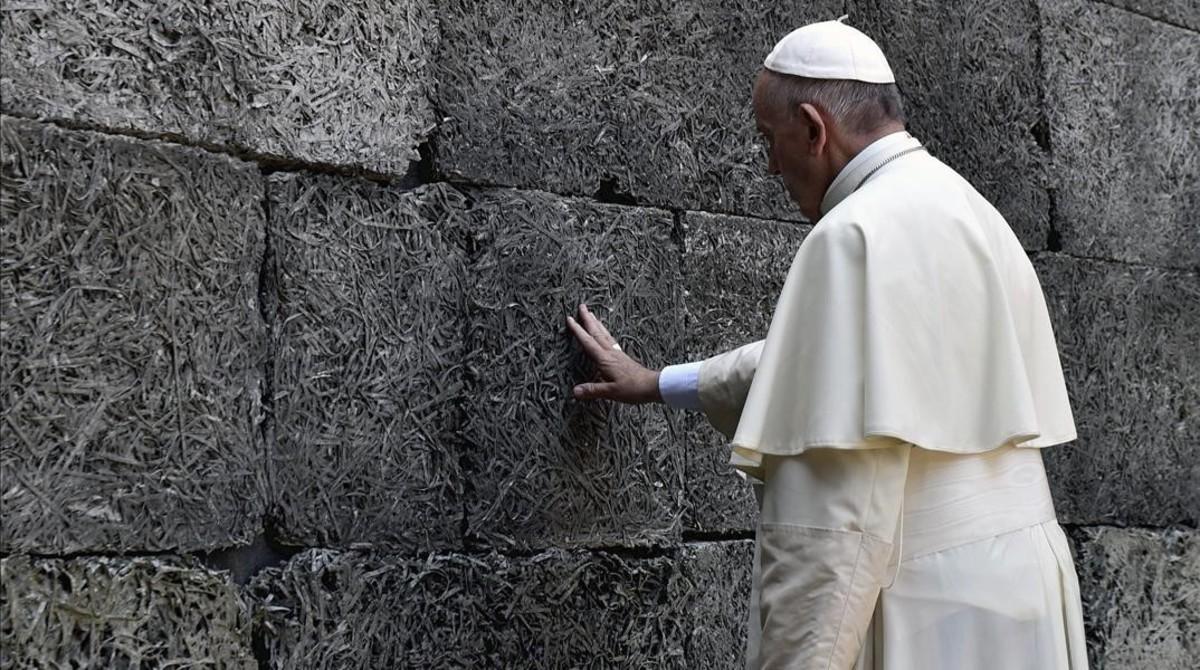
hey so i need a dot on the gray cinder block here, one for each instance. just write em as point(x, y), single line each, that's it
point(1127, 341)
point(1141, 602)
point(554, 609)
point(368, 348)
point(734, 269)
point(972, 95)
point(610, 611)
point(715, 581)
point(328, 609)
point(1121, 97)
point(121, 613)
point(718, 499)
point(650, 100)
point(1183, 13)
point(543, 468)
point(132, 344)
point(322, 83)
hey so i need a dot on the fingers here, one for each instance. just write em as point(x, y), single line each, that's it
point(595, 390)
point(589, 344)
point(596, 328)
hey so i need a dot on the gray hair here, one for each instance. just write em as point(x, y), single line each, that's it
point(857, 106)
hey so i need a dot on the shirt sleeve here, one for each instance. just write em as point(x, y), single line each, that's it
point(680, 385)
point(723, 382)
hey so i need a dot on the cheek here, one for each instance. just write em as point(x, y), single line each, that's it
point(796, 171)
point(786, 157)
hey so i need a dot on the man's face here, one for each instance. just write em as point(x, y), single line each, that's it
point(795, 149)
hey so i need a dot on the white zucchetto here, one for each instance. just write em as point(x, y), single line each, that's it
point(830, 50)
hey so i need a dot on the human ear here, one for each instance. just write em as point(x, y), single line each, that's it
point(817, 132)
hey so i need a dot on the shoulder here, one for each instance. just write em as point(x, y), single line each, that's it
point(840, 233)
point(919, 193)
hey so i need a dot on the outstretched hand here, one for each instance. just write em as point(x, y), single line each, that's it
point(622, 378)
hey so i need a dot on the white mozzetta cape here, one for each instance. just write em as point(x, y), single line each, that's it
point(910, 313)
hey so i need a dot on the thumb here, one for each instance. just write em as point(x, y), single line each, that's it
point(594, 390)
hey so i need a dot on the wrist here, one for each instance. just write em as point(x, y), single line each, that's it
point(655, 390)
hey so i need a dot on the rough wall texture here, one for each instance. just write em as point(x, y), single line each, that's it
point(132, 344)
point(367, 349)
point(1182, 13)
point(644, 100)
point(121, 613)
point(964, 69)
point(286, 378)
point(1126, 150)
point(727, 305)
point(557, 608)
point(542, 468)
point(1141, 596)
point(1128, 340)
point(343, 83)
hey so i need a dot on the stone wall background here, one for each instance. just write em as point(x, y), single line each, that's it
point(285, 374)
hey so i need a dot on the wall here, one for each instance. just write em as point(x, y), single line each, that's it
point(285, 373)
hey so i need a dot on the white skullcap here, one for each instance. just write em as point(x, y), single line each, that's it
point(830, 50)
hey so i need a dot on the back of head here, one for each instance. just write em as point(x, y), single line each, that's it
point(858, 107)
point(837, 69)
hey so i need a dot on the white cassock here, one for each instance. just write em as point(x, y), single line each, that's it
point(891, 423)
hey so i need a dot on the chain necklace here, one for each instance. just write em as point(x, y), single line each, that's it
point(880, 166)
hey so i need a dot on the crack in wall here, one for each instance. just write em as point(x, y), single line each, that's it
point(705, 536)
point(267, 162)
point(265, 551)
point(471, 253)
point(1159, 19)
point(421, 173)
point(268, 304)
point(270, 165)
point(274, 555)
point(1043, 131)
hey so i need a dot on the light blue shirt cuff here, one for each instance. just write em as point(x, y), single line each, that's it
point(680, 385)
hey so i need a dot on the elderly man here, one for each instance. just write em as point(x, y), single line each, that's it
point(891, 419)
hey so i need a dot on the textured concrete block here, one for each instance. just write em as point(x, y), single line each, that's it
point(1127, 341)
point(1141, 597)
point(1121, 96)
point(714, 587)
point(121, 613)
point(608, 612)
point(966, 71)
point(554, 609)
point(368, 347)
point(718, 499)
point(649, 100)
point(734, 269)
point(542, 468)
point(345, 83)
point(132, 344)
point(326, 609)
point(1183, 13)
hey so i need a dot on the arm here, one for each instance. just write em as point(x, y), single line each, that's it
point(717, 385)
point(723, 383)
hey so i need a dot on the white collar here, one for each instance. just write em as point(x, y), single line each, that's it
point(864, 164)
